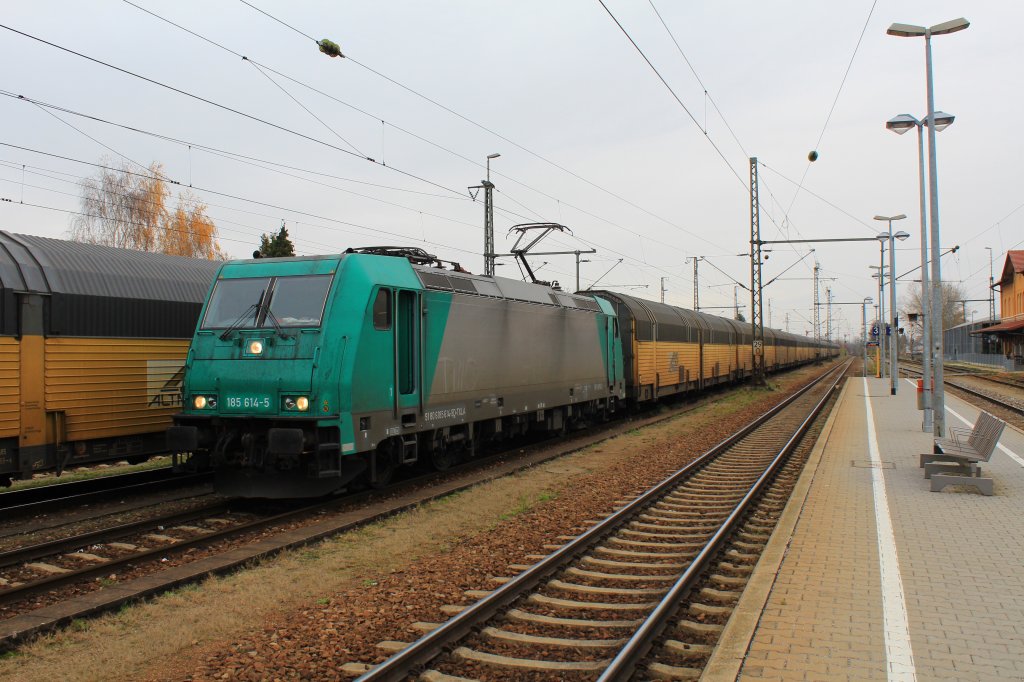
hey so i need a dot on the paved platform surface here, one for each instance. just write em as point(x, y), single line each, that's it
point(872, 577)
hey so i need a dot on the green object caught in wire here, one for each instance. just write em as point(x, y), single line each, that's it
point(329, 48)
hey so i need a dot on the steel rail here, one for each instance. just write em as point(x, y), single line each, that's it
point(28, 500)
point(431, 645)
point(44, 549)
point(624, 665)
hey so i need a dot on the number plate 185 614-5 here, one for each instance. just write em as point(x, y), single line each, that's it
point(248, 402)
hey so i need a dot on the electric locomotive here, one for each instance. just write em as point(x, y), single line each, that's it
point(305, 373)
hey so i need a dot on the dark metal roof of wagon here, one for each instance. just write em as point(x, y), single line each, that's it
point(93, 290)
point(51, 266)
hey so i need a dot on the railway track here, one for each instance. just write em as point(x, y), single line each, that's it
point(62, 495)
point(646, 590)
point(29, 571)
point(83, 586)
point(1006, 402)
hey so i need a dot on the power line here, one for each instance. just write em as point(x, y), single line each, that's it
point(486, 129)
point(233, 154)
point(695, 75)
point(264, 67)
point(229, 109)
point(672, 92)
point(248, 200)
point(832, 109)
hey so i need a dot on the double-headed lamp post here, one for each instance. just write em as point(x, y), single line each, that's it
point(911, 31)
point(899, 125)
point(894, 325)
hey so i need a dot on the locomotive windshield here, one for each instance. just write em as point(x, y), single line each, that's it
point(255, 302)
point(298, 301)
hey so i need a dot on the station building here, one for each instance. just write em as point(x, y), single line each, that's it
point(1009, 333)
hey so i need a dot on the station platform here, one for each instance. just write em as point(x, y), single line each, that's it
point(870, 576)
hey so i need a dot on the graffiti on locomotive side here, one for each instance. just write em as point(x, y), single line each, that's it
point(163, 383)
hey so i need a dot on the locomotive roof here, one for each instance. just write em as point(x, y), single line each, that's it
point(56, 266)
point(500, 287)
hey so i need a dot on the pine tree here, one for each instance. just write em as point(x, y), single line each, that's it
point(276, 246)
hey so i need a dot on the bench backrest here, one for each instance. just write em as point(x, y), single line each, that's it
point(983, 427)
point(986, 435)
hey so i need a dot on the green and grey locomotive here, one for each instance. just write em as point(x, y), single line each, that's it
point(305, 373)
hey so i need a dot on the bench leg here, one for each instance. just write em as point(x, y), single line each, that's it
point(940, 481)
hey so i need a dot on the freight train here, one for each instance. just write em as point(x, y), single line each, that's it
point(92, 343)
point(307, 373)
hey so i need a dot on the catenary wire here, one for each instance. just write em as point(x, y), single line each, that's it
point(224, 107)
point(488, 130)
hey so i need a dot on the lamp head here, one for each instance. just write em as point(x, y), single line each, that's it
point(883, 237)
point(902, 123)
point(906, 30)
point(951, 26)
point(942, 121)
point(496, 155)
point(901, 235)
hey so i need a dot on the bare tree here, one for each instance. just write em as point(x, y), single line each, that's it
point(952, 312)
point(190, 232)
point(122, 207)
point(128, 209)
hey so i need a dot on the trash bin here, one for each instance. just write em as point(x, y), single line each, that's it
point(920, 394)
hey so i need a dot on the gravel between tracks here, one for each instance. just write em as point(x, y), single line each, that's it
point(307, 613)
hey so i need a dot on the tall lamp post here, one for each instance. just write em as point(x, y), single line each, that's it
point(911, 31)
point(893, 334)
point(899, 125)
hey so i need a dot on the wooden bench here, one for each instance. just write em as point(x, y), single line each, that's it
point(957, 460)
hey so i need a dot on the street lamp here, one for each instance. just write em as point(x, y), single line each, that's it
point(911, 31)
point(899, 125)
point(893, 336)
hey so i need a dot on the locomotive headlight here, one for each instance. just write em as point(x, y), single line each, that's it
point(302, 402)
point(211, 402)
point(289, 403)
point(255, 347)
point(199, 401)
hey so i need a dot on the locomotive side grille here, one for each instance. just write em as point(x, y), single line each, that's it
point(434, 280)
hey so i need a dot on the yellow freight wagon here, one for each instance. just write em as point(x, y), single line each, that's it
point(92, 344)
point(669, 350)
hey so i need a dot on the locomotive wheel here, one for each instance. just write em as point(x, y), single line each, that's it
point(441, 458)
point(386, 465)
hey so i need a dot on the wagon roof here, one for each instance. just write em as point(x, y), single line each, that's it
point(57, 266)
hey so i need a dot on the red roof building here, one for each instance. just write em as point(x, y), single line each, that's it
point(1010, 329)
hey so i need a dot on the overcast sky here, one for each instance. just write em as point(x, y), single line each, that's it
point(588, 135)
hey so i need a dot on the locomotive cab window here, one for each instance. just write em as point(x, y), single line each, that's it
point(236, 302)
point(254, 302)
point(298, 301)
point(382, 310)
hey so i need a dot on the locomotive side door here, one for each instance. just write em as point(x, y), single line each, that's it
point(407, 355)
point(612, 363)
